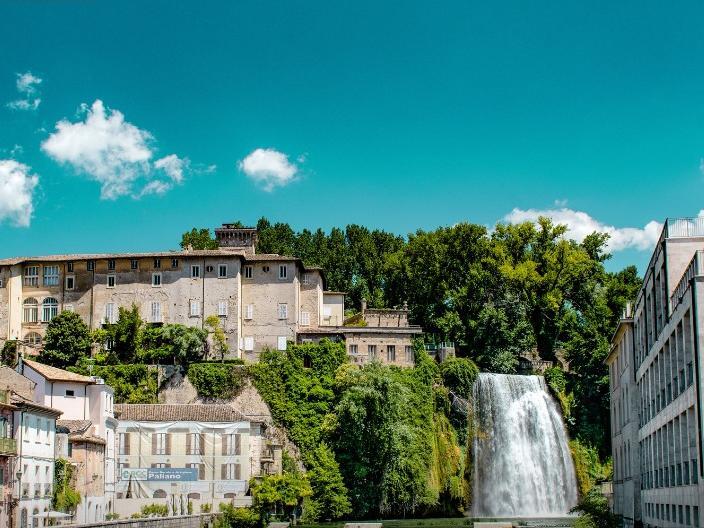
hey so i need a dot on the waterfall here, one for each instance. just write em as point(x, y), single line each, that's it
point(521, 459)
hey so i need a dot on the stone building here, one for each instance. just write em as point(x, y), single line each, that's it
point(262, 300)
point(177, 454)
point(8, 456)
point(656, 386)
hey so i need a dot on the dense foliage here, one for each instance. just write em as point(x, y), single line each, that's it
point(65, 497)
point(497, 294)
point(217, 380)
point(67, 340)
point(231, 517)
point(131, 383)
point(594, 512)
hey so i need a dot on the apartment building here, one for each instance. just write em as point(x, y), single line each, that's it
point(8, 456)
point(179, 454)
point(263, 300)
point(655, 369)
point(86, 406)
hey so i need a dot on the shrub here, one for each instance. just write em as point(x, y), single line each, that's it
point(232, 517)
point(65, 498)
point(131, 383)
point(588, 468)
point(459, 375)
point(217, 380)
point(594, 512)
point(154, 510)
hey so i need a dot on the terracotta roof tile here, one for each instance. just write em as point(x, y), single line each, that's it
point(57, 374)
point(75, 426)
point(160, 412)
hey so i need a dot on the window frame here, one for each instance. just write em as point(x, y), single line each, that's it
point(223, 308)
point(283, 271)
point(51, 279)
point(248, 271)
point(71, 278)
point(49, 309)
point(282, 311)
point(156, 284)
point(31, 280)
point(222, 267)
point(195, 274)
point(194, 308)
point(114, 280)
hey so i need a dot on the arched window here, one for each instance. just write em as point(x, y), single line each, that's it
point(159, 494)
point(35, 518)
point(31, 310)
point(23, 518)
point(33, 339)
point(194, 496)
point(50, 309)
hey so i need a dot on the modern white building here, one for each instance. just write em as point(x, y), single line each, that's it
point(35, 428)
point(86, 406)
point(656, 378)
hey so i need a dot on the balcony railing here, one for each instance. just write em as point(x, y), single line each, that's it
point(695, 268)
point(8, 446)
point(684, 227)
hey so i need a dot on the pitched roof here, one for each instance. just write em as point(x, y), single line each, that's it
point(57, 374)
point(23, 403)
point(75, 426)
point(234, 252)
point(161, 412)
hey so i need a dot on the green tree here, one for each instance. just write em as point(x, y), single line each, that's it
point(280, 495)
point(175, 343)
point(198, 239)
point(329, 490)
point(459, 375)
point(126, 334)
point(67, 340)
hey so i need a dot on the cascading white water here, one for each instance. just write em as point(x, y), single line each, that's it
point(522, 461)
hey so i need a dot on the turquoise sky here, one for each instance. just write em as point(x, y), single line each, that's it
point(400, 115)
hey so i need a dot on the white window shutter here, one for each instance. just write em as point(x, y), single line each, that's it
point(305, 318)
point(249, 343)
point(281, 343)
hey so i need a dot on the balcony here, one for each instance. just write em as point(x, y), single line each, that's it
point(8, 446)
point(684, 227)
point(695, 269)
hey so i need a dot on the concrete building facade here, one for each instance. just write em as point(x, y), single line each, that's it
point(657, 386)
point(262, 300)
point(178, 453)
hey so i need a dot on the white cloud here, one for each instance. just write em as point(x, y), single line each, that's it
point(27, 86)
point(268, 168)
point(17, 186)
point(113, 152)
point(580, 224)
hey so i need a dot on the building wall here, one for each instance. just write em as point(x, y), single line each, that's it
point(382, 342)
point(311, 295)
point(210, 486)
point(88, 459)
point(333, 309)
point(266, 292)
point(35, 438)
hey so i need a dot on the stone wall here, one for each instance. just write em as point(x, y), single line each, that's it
point(205, 520)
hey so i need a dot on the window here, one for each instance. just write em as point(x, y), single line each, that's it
point(90, 265)
point(305, 318)
point(371, 351)
point(410, 356)
point(352, 349)
point(201, 476)
point(50, 309)
point(70, 393)
point(157, 263)
point(31, 310)
point(249, 311)
point(248, 272)
point(159, 494)
point(111, 264)
point(110, 313)
point(160, 444)
point(222, 271)
point(283, 311)
point(195, 308)
point(69, 267)
point(265, 269)
point(195, 444)
point(249, 343)
point(391, 353)
point(111, 281)
point(51, 275)
point(283, 271)
point(156, 312)
point(281, 343)
point(133, 264)
point(195, 271)
point(123, 444)
point(231, 444)
point(222, 308)
point(174, 263)
point(156, 279)
point(209, 269)
point(306, 278)
point(70, 282)
point(33, 339)
point(68, 308)
point(230, 472)
point(31, 276)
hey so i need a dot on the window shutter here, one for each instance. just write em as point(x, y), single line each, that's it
point(201, 471)
point(188, 444)
point(223, 471)
point(127, 443)
point(202, 443)
point(224, 444)
point(237, 471)
point(153, 443)
point(238, 444)
point(168, 443)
